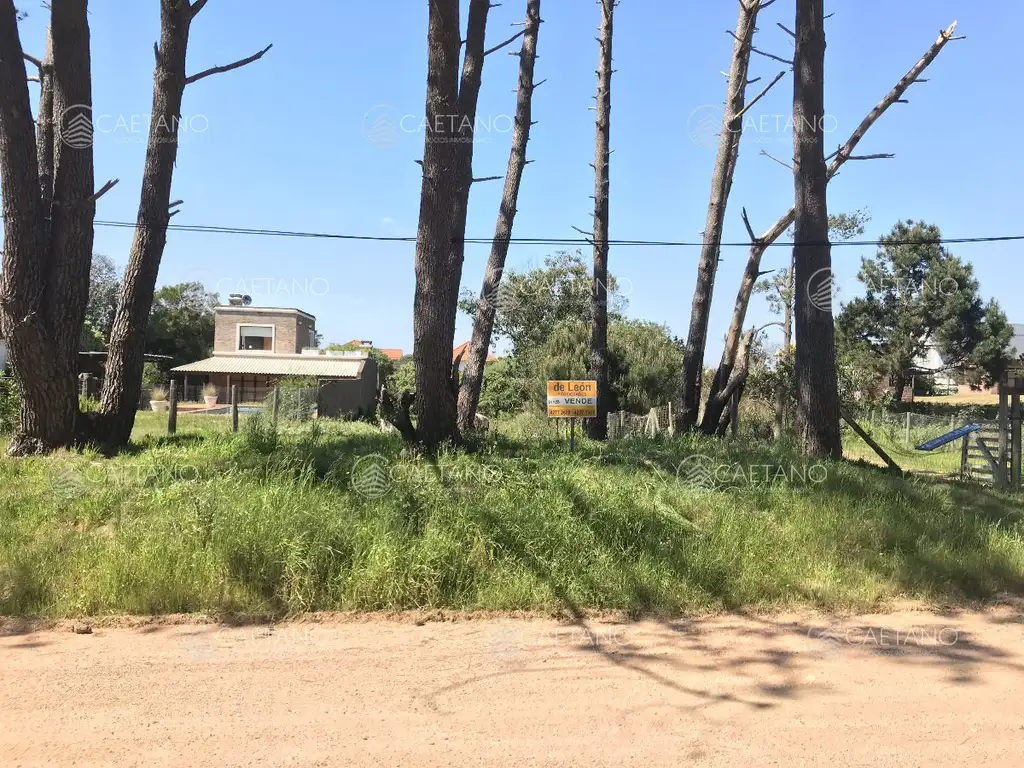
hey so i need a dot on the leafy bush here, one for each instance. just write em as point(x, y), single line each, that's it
point(10, 404)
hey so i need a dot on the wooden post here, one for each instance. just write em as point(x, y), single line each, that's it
point(1015, 457)
point(965, 465)
point(572, 434)
point(734, 414)
point(871, 443)
point(277, 403)
point(234, 407)
point(671, 427)
point(1004, 427)
point(907, 438)
point(172, 408)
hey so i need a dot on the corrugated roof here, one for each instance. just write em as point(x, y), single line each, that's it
point(320, 366)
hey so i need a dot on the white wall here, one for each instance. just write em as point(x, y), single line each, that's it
point(3, 354)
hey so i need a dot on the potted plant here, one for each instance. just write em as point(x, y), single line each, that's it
point(210, 395)
point(158, 399)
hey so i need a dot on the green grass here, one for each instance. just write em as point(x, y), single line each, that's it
point(265, 523)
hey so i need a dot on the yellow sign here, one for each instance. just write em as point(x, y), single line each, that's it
point(572, 399)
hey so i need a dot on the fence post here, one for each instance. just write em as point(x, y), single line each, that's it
point(277, 403)
point(172, 408)
point(908, 429)
point(1015, 443)
point(234, 407)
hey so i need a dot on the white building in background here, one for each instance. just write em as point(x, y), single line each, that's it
point(3, 355)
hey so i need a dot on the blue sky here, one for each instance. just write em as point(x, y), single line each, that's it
point(281, 144)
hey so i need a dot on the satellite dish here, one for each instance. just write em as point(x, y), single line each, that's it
point(246, 301)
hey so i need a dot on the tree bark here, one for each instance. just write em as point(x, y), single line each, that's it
point(48, 206)
point(438, 263)
point(122, 384)
point(816, 377)
point(483, 321)
point(597, 428)
point(781, 389)
point(760, 244)
point(721, 186)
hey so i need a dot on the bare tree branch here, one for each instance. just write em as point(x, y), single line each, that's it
point(759, 96)
point(227, 67)
point(780, 162)
point(32, 60)
point(512, 39)
point(750, 229)
point(487, 178)
point(871, 157)
point(104, 189)
point(757, 50)
point(197, 6)
point(772, 56)
point(786, 29)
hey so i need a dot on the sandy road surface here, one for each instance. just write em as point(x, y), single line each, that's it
point(907, 689)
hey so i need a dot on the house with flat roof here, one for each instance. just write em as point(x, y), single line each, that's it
point(256, 348)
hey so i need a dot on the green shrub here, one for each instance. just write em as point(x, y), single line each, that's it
point(10, 404)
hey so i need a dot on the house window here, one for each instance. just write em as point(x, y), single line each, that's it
point(256, 337)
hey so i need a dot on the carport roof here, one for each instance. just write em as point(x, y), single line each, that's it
point(320, 366)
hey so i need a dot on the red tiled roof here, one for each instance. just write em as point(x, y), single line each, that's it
point(390, 354)
point(463, 348)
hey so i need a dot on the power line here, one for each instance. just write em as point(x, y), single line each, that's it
point(210, 229)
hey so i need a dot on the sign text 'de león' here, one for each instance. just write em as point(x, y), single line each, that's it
point(572, 399)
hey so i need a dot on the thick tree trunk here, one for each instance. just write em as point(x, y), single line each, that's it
point(597, 428)
point(438, 263)
point(760, 244)
point(816, 378)
point(122, 383)
point(48, 206)
point(721, 186)
point(483, 321)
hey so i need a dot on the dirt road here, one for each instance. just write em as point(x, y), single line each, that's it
point(907, 689)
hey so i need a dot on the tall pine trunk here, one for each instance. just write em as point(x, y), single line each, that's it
point(597, 428)
point(48, 207)
point(122, 383)
point(438, 260)
point(721, 186)
point(816, 378)
point(483, 320)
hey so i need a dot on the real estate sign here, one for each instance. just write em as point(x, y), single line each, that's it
point(572, 399)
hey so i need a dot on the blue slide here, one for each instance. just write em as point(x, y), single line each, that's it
point(949, 437)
